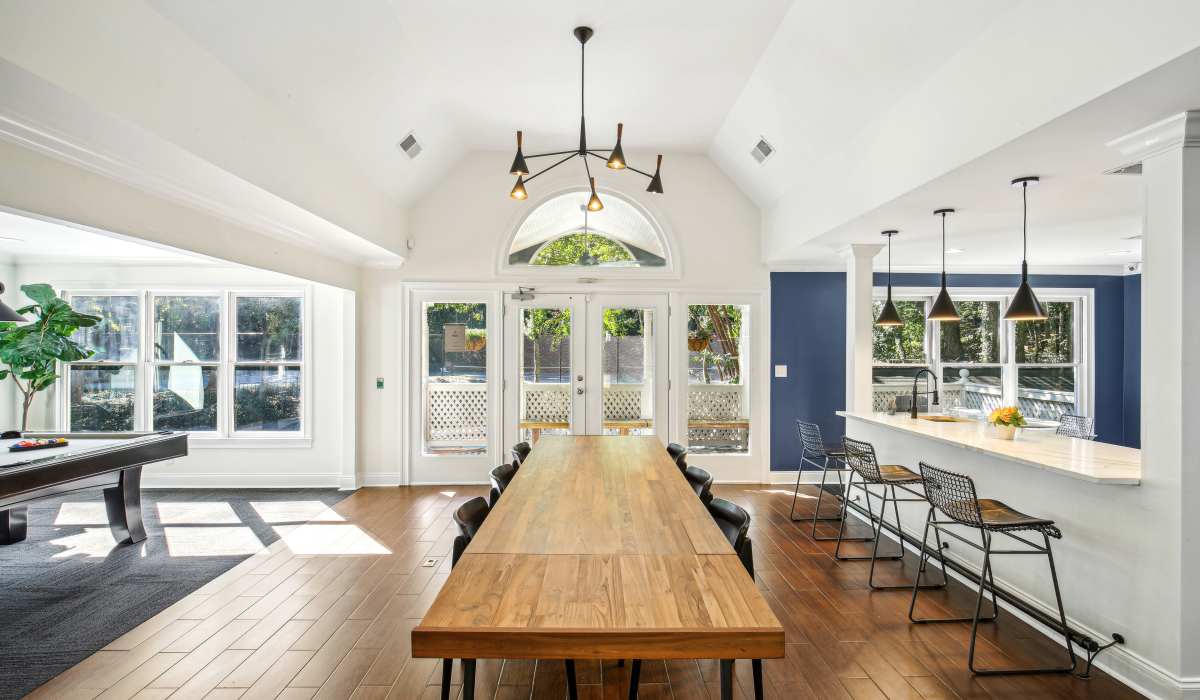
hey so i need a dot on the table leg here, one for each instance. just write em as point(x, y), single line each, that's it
point(468, 668)
point(726, 679)
point(756, 665)
point(13, 524)
point(124, 505)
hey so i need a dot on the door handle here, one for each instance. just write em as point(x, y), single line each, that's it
point(579, 391)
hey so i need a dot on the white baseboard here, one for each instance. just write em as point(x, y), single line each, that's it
point(380, 479)
point(240, 480)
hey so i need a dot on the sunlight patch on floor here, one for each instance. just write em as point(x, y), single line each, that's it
point(92, 543)
point(81, 513)
point(295, 512)
point(321, 538)
point(196, 513)
point(219, 541)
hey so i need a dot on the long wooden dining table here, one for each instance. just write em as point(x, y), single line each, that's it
point(599, 549)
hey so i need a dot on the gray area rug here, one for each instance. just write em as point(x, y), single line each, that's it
point(68, 589)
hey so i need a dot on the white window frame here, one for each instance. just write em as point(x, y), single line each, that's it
point(146, 364)
point(1084, 336)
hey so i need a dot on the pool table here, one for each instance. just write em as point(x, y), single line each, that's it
point(111, 460)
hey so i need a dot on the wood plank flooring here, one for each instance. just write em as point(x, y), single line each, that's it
point(333, 618)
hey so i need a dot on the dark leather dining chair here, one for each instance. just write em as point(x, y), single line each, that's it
point(520, 451)
point(501, 477)
point(469, 518)
point(701, 482)
point(734, 522)
point(679, 454)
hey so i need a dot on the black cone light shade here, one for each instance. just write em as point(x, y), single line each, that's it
point(943, 307)
point(1025, 305)
point(518, 164)
point(655, 185)
point(594, 203)
point(889, 315)
point(6, 312)
point(616, 161)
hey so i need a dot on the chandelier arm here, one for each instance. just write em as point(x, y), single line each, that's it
point(551, 167)
point(627, 165)
point(586, 167)
point(574, 151)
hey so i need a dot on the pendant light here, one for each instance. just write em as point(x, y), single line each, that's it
point(586, 259)
point(616, 161)
point(943, 307)
point(1025, 305)
point(594, 203)
point(889, 316)
point(7, 315)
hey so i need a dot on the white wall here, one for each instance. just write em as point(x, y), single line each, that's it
point(326, 461)
point(8, 392)
point(460, 229)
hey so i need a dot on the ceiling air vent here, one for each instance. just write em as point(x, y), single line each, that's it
point(410, 146)
point(762, 150)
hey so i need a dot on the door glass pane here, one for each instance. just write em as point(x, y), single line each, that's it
point(187, 329)
point(268, 329)
point(102, 397)
point(628, 372)
point(266, 398)
point(1045, 393)
point(976, 337)
point(545, 372)
point(455, 382)
point(185, 398)
point(972, 388)
point(718, 399)
point(115, 338)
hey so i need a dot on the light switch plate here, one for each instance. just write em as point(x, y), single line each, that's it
point(378, 382)
point(780, 371)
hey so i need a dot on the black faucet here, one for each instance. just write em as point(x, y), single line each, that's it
point(912, 412)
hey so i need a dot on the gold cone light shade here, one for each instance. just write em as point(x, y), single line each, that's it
point(889, 315)
point(943, 307)
point(616, 161)
point(518, 190)
point(1025, 305)
point(594, 203)
point(518, 164)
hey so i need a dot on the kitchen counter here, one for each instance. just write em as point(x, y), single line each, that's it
point(1087, 460)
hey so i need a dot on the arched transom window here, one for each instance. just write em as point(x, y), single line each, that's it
point(619, 236)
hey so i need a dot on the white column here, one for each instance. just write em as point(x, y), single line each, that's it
point(1169, 152)
point(859, 321)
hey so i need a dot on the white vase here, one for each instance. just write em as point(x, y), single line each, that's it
point(1005, 432)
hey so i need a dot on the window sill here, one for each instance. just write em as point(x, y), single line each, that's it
point(201, 442)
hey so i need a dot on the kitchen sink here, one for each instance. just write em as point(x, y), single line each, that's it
point(945, 419)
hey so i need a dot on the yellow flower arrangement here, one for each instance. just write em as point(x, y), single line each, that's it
point(1007, 415)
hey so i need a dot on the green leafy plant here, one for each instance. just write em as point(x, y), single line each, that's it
point(30, 352)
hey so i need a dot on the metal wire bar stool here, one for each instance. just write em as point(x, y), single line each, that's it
point(860, 456)
point(827, 458)
point(954, 495)
point(1071, 425)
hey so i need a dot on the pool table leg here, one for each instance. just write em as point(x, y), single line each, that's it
point(124, 505)
point(13, 524)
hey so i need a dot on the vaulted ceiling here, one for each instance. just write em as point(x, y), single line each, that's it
point(875, 107)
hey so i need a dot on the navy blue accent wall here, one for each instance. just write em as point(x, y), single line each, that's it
point(808, 334)
point(808, 322)
point(1133, 360)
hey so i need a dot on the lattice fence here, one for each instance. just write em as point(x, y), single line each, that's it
point(456, 414)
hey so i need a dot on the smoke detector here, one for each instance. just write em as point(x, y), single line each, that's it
point(762, 151)
point(409, 146)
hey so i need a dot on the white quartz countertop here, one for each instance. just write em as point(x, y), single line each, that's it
point(1088, 460)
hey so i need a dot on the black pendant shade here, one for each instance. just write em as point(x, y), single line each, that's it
point(943, 307)
point(889, 315)
point(6, 312)
point(615, 159)
point(1025, 305)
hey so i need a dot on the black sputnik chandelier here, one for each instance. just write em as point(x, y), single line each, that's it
point(614, 157)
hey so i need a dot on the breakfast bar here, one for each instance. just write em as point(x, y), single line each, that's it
point(1096, 493)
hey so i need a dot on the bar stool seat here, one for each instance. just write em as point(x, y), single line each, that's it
point(897, 474)
point(1003, 518)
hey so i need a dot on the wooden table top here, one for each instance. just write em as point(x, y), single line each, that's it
point(599, 548)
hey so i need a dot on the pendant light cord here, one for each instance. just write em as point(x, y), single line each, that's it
point(889, 268)
point(1024, 222)
point(943, 249)
point(582, 79)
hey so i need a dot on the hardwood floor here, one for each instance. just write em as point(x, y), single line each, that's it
point(327, 613)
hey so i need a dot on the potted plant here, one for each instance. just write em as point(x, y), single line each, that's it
point(476, 339)
point(1006, 420)
point(698, 339)
point(30, 352)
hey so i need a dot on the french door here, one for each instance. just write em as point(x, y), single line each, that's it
point(586, 364)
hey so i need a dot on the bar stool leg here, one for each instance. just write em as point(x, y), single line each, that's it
point(900, 556)
point(635, 673)
point(845, 489)
point(572, 689)
point(726, 679)
point(842, 522)
point(447, 669)
point(925, 559)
